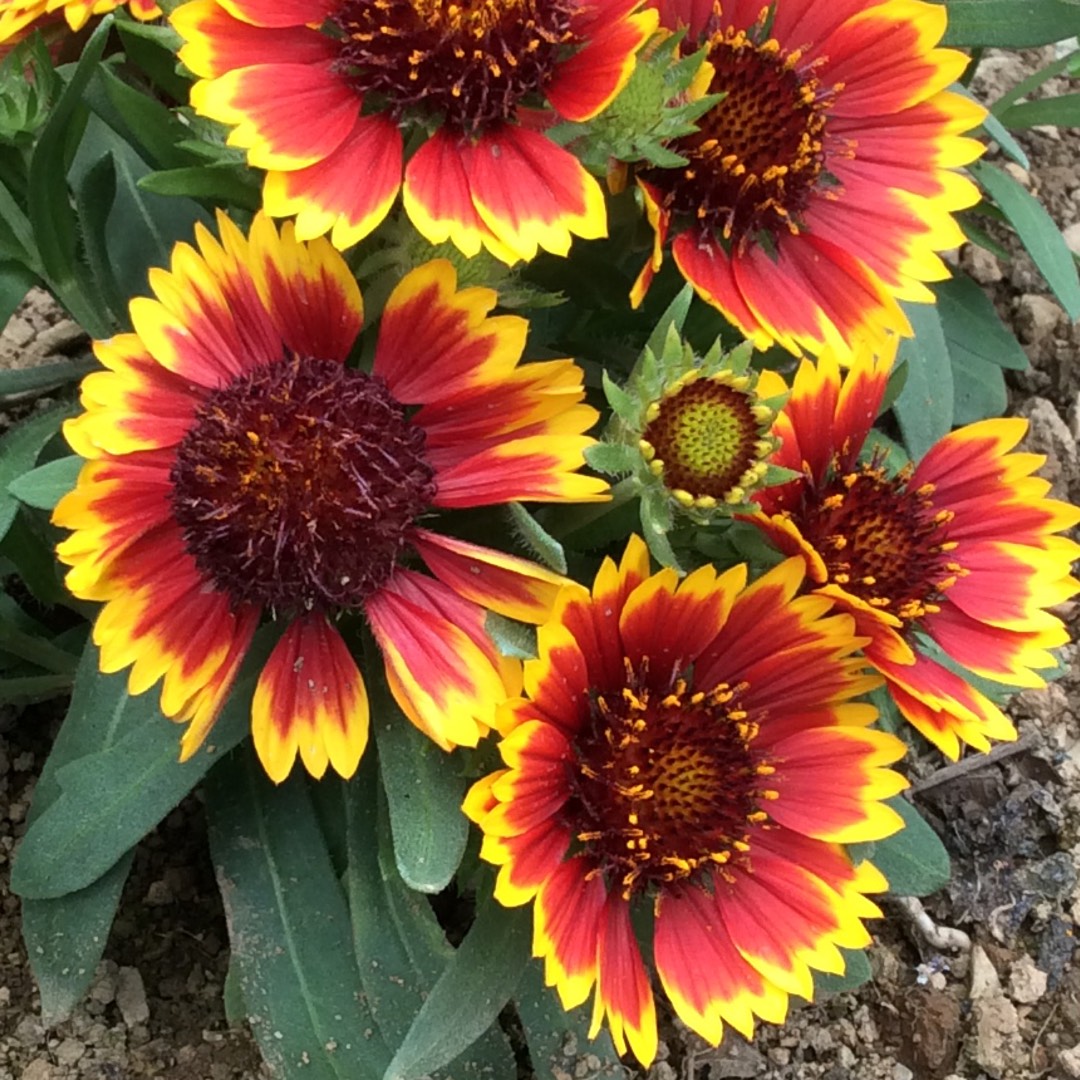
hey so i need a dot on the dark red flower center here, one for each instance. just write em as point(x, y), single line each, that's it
point(297, 484)
point(666, 782)
point(707, 440)
point(467, 62)
point(882, 540)
point(759, 154)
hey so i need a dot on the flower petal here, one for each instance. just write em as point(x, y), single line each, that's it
point(270, 106)
point(532, 193)
point(311, 699)
point(325, 196)
point(511, 586)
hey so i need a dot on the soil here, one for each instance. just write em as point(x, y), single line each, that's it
point(1004, 1005)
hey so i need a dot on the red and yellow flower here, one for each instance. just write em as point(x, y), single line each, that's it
point(819, 189)
point(318, 91)
point(692, 746)
point(19, 17)
point(960, 550)
point(238, 468)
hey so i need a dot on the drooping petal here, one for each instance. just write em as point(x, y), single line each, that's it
point(588, 81)
point(216, 42)
point(439, 200)
point(310, 699)
point(325, 195)
point(270, 108)
point(705, 976)
point(623, 994)
point(513, 587)
point(443, 681)
point(532, 193)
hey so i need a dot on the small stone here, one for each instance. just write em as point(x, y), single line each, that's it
point(61, 337)
point(984, 977)
point(902, 1072)
point(1018, 173)
point(996, 1026)
point(662, 1070)
point(69, 1051)
point(845, 1057)
point(19, 332)
point(1027, 983)
point(24, 762)
point(1069, 1060)
point(779, 1055)
point(131, 997)
point(937, 981)
point(39, 1069)
point(1071, 233)
point(159, 894)
point(1037, 318)
point(983, 265)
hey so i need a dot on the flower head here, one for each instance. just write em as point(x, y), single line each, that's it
point(960, 549)
point(318, 91)
point(239, 469)
point(19, 17)
point(817, 191)
point(691, 746)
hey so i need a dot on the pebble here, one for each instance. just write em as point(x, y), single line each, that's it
point(779, 1055)
point(39, 1069)
point(69, 1051)
point(1071, 233)
point(131, 997)
point(1027, 983)
point(902, 1072)
point(984, 977)
point(1069, 1060)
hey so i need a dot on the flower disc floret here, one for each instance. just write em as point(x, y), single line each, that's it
point(694, 747)
point(297, 485)
point(470, 63)
point(758, 155)
point(240, 473)
point(707, 438)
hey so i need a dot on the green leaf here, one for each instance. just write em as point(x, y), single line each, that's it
point(44, 377)
point(511, 638)
point(224, 183)
point(95, 197)
point(46, 485)
point(51, 214)
point(979, 390)
point(424, 789)
point(143, 122)
point(612, 458)
point(1067, 65)
point(19, 450)
point(288, 927)
point(65, 938)
point(559, 1043)
point(141, 229)
point(674, 316)
point(15, 282)
point(28, 689)
point(1037, 232)
point(152, 48)
point(914, 860)
point(1018, 24)
point(856, 972)
point(536, 538)
point(400, 948)
point(972, 326)
point(476, 984)
point(1060, 111)
point(112, 796)
point(924, 409)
